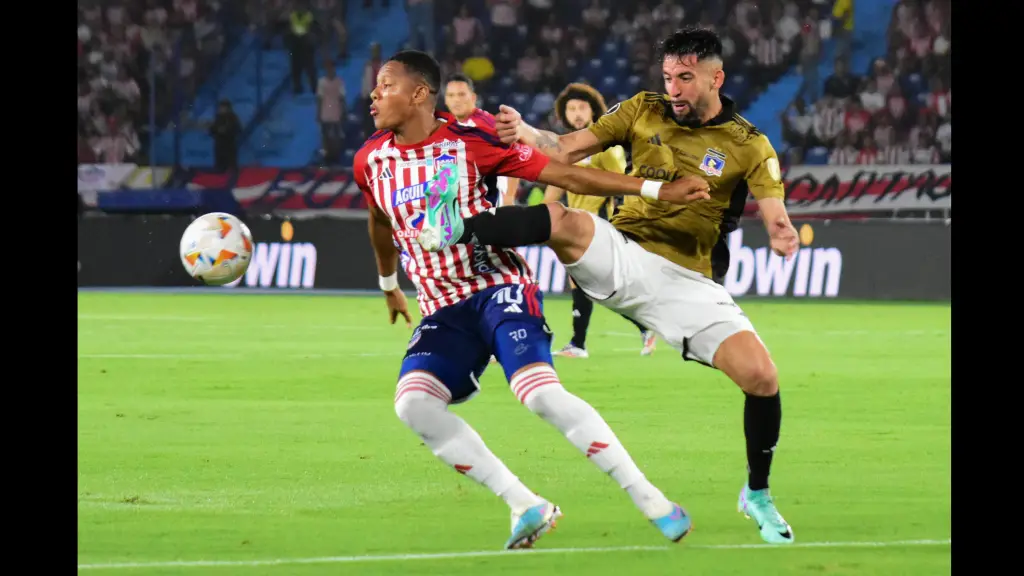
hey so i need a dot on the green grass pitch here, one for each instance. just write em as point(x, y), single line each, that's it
point(258, 432)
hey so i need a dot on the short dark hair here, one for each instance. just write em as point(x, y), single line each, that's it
point(703, 43)
point(461, 78)
point(422, 65)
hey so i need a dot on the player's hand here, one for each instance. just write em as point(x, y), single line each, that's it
point(508, 122)
point(686, 190)
point(784, 239)
point(397, 304)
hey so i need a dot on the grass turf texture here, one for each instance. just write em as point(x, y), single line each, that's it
point(228, 428)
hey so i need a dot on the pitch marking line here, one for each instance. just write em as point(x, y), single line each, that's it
point(491, 553)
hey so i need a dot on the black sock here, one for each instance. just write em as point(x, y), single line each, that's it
point(762, 418)
point(638, 325)
point(582, 308)
point(509, 227)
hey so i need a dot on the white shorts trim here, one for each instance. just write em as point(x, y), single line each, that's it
point(688, 310)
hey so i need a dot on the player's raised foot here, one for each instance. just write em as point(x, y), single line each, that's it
point(758, 504)
point(675, 525)
point(532, 524)
point(571, 351)
point(649, 340)
point(443, 224)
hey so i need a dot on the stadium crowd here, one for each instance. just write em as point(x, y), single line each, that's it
point(523, 52)
point(898, 112)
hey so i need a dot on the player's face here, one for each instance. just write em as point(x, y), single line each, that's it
point(459, 99)
point(690, 85)
point(579, 114)
point(392, 98)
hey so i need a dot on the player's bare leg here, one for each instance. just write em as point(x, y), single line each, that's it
point(421, 402)
point(744, 359)
point(538, 388)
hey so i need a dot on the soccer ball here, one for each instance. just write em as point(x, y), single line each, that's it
point(216, 248)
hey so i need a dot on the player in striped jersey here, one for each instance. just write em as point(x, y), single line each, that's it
point(460, 99)
point(477, 300)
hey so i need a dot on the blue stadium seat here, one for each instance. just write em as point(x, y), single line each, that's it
point(610, 50)
point(609, 84)
point(595, 68)
point(622, 67)
point(817, 156)
point(492, 102)
point(531, 118)
point(543, 102)
point(633, 83)
point(619, 98)
point(349, 155)
point(507, 82)
point(520, 100)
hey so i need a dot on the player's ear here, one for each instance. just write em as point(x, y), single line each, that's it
point(718, 80)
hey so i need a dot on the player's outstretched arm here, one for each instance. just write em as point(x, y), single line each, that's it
point(783, 235)
point(601, 183)
point(568, 148)
point(386, 254)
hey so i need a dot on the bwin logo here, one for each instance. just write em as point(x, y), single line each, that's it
point(812, 272)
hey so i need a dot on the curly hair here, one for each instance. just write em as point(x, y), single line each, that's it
point(579, 91)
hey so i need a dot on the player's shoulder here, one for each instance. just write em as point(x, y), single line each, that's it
point(640, 101)
point(373, 142)
point(474, 135)
point(747, 135)
point(483, 114)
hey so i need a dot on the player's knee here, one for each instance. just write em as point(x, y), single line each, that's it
point(535, 385)
point(759, 377)
point(571, 231)
point(559, 215)
point(418, 395)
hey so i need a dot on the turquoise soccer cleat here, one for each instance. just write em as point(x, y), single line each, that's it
point(532, 524)
point(443, 224)
point(675, 525)
point(757, 504)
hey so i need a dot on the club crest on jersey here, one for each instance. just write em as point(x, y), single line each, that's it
point(713, 162)
point(446, 159)
point(408, 194)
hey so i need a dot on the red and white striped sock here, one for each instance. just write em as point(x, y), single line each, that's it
point(421, 401)
point(539, 389)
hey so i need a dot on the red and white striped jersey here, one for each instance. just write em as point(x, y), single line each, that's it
point(394, 178)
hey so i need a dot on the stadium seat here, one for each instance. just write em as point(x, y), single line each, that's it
point(817, 156)
point(610, 50)
point(519, 100)
point(543, 102)
point(507, 82)
point(633, 83)
point(531, 118)
point(348, 156)
point(609, 84)
point(622, 67)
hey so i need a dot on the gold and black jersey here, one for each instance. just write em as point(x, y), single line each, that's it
point(612, 160)
point(728, 152)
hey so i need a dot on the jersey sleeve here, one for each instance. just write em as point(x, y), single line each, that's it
point(518, 161)
point(764, 177)
point(611, 160)
point(616, 125)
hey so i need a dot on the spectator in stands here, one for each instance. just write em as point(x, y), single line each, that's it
point(595, 19)
point(923, 150)
point(787, 23)
point(841, 84)
point(530, 68)
point(370, 69)
point(868, 153)
point(870, 98)
point(118, 142)
point(330, 102)
point(943, 135)
point(302, 46)
point(551, 33)
point(883, 76)
point(810, 56)
point(829, 120)
point(504, 21)
point(856, 119)
point(225, 131)
point(939, 100)
point(898, 108)
point(478, 67)
point(769, 54)
point(844, 153)
point(668, 11)
point(796, 124)
point(884, 132)
point(842, 12)
point(925, 126)
point(330, 15)
point(421, 25)
point(466, 31)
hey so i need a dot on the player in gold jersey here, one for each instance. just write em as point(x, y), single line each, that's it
point(654, 262)
point(578, 106)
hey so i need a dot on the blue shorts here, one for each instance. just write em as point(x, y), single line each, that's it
point(456, 343)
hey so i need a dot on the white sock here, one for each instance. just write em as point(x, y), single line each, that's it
point(540, 390)
point(421, 401)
